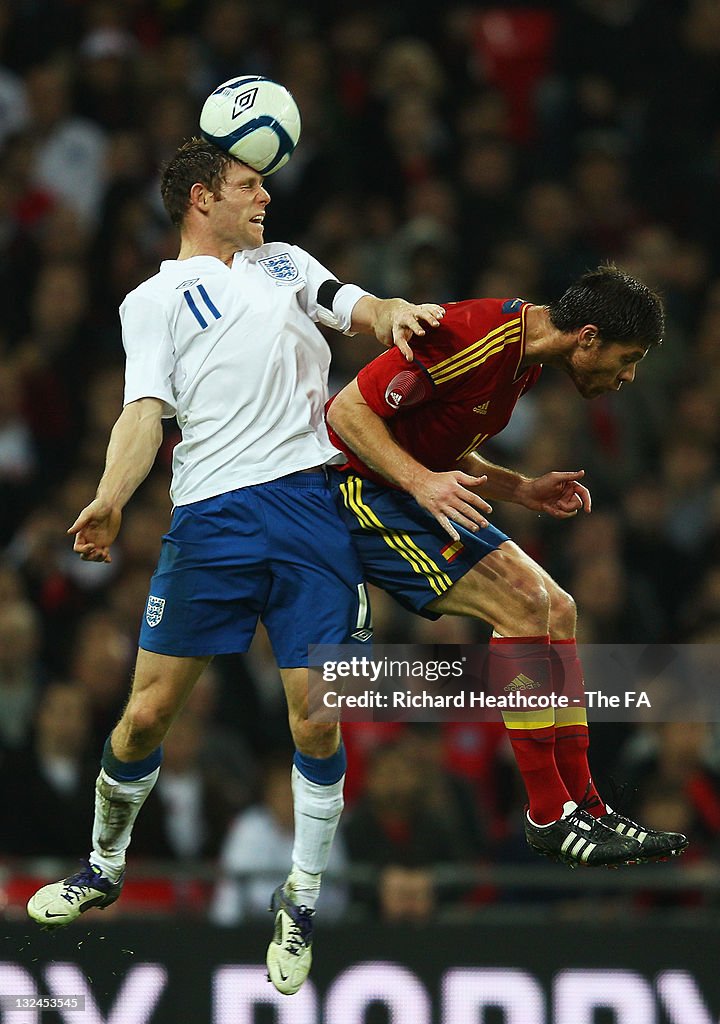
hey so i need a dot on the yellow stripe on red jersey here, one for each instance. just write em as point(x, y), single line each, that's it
point(461, 388)
point(478, 353)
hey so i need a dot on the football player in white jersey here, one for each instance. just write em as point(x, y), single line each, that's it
point(225, 339)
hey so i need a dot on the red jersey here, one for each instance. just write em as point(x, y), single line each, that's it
point(460, 389)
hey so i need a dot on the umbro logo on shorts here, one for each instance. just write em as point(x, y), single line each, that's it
point(154, 610)
point(363, 635)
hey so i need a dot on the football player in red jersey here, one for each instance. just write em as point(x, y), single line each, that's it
point(413, 492)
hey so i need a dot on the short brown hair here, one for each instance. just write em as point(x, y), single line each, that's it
point(195, 160)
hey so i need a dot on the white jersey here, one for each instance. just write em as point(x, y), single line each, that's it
point(234, 354)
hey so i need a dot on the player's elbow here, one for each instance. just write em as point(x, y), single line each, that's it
point(340, 411)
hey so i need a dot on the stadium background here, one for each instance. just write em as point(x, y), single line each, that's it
point(491, 149)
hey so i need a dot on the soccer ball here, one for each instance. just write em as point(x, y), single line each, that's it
point(255, 120)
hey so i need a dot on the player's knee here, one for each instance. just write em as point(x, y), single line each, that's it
point(316, 739)
point(563, 613)
point(531, 602)
point(146, 724)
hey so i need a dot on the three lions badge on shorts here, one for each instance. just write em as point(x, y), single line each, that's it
point(154, 610)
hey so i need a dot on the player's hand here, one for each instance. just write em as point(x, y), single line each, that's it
point(95, 529)
point(447, 498)
point(559, 494)
point(398, 321)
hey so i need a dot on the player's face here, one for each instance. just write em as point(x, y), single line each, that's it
point(604, 366)
point(239, 210)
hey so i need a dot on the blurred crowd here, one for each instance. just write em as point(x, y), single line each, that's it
point(492, 150)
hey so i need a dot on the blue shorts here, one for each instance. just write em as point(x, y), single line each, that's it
point(277, 552)
point(403, 549)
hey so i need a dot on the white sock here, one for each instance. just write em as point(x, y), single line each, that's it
point(302, 887)
point(317, 813)
point(117, 805)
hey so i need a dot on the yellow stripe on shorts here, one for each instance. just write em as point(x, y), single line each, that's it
point(401, 543)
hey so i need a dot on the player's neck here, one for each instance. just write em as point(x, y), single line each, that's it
point(186, 254)
point(193, 245)
point(544, 343)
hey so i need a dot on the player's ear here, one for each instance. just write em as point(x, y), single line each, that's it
point(200, 196)
point(588, 336)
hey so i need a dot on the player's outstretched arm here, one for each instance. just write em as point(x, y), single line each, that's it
point(131, 451)
point(394, 321)
point(445, 495)
point(559, 494)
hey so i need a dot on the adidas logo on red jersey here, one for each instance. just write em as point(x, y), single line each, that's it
point(407, 388)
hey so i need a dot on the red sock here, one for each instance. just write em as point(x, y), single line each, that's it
point(571, 730)
point(521, 664)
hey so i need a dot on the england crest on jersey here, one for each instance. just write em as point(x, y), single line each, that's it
point(154, 610)
point(280, 268)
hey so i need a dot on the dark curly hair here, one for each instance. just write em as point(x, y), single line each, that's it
point(195, 160)
point(624, 309)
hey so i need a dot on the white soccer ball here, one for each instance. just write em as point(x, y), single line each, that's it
point(255, 120)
